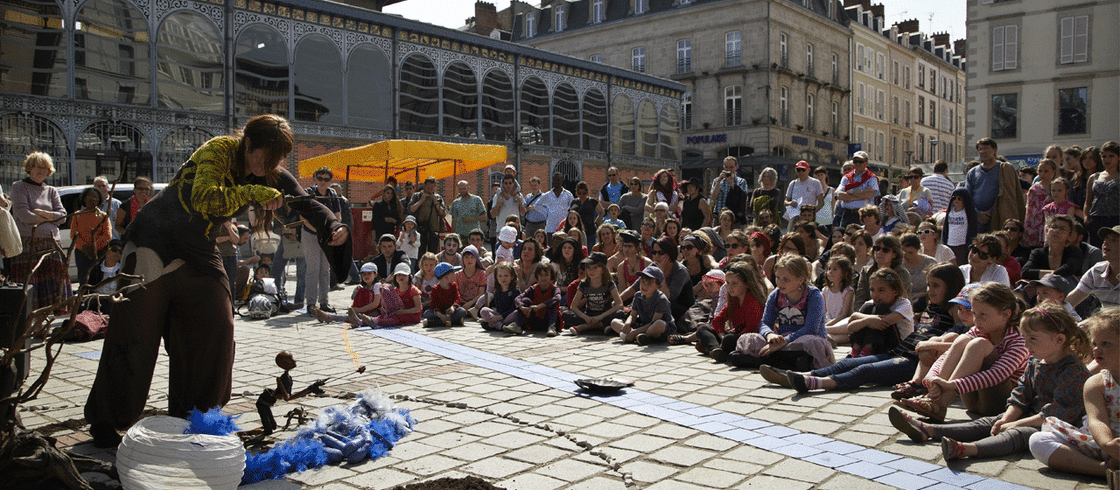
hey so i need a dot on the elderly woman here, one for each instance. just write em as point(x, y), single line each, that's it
point(36, 208)
point(767, 197)
point(185, 300)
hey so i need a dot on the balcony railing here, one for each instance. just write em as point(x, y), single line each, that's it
point(684, 65)
point(733, 59)
point(785, 117)
point(785, 60)
point(734, 117)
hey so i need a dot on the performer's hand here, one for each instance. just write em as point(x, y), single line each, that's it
point(273, 204)
point(339, 236)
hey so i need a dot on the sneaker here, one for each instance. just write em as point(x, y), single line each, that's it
point(718, 354)
point(574, 331)
point(797, 381)
point(774, 375)
point(424, 323)
point(551, 331)
point(513, 328)
point(643, 339)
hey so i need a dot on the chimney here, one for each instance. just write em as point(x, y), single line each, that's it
point(877, 10)
point(485, 18)
point(941, 39)
point(852, 3)
point(909, 26)
point(960, 47)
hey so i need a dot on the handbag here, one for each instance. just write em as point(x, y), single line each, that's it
point(11, 244)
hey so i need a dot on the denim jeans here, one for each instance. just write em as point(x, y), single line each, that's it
point(879, 369)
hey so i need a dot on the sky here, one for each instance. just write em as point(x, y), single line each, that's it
point(949, 16)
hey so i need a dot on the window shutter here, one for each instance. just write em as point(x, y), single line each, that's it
point(997, 48)
point(1066, 41)
point(1011, 47)
point(1081, 39)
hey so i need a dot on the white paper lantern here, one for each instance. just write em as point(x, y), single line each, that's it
point(156, 454)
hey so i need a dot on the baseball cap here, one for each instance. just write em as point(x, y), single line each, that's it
point(1055, 281)
point(653, 272)
point(368, 267)
point(595, 258)
point(1105, 232)
point(861, 155)
point(402, 268)
point(443, 269)
point(803, 164)
point(963, 298)
point(630, 236)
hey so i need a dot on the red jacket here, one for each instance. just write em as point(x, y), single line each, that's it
point(744, 317)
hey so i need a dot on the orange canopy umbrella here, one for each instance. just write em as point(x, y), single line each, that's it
point(377, 161)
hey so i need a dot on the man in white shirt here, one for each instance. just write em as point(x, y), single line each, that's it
point(939, 185)
point(1103, 279)
point(803, 190)
point(555, 203)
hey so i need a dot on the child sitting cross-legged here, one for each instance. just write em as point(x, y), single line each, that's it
point(930, 350)
point(741, 314)
point(367, 299)
point(1050, 388)
point(425, 279)
point(791, 335)
point(401, 302)
point(538, 307)
point(444, 310)
point(1094, 447)
point(596, 301)
point(981, 366)
point(651, 316)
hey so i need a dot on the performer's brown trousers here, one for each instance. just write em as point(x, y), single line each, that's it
point(192, 314)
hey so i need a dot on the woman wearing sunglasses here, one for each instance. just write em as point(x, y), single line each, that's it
point(983, 258)
point(930, 235)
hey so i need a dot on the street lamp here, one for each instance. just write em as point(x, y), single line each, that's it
point(909, 158)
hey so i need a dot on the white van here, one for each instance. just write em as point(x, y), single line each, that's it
point(71, 196)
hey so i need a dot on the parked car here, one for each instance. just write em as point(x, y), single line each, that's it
point(71, 196)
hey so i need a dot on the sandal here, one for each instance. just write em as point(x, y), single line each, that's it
point(951, 449)
point(909, 389)
point(923, 407)
point(678, 340)
point(906, 424)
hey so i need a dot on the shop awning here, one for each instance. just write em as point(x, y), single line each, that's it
point(415, 159)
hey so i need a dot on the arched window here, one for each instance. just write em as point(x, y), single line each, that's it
point(647, 129)
point(24, 134)
point(121, 141)
point(368, 89)
point(622, 125)
point(175, 149)
point(670, 131)
point(460, 101)
point(261, 78)
point(497, 107)
point(534, 112)
point(111, 54)
point(565, 114)
point(34, 49)
point(571, 172)
point(419, 95)
point(594, 121)
point(318, 85)
point(189, 64)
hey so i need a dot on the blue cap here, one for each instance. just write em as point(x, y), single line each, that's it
point(443, 269)
point(368, 267)
point(963, 298)
point(653, 272)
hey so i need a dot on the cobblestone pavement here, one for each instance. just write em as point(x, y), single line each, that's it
point(495, 423)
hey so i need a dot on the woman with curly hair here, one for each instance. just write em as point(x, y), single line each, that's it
point(663, 189)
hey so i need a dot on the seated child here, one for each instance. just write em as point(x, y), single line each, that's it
point(367, 299)
point(613, 210)
point(425, 278)
point(741, 314)
point(538, 307)
point(1050, 388)
point(596, 301)
point(1055, 288)
point(264, 296)
point(502, 302)
point(507, 245)
point(400, 301)
point(471, 281)
point(791, 335)
point(929, 350)
point(651, 315)
point(1094, 447)
point(981, 366)
point(444, 310)
point(884, 320)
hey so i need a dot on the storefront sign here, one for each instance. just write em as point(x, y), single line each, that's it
point(824, 145)
point(707, 138)
point(800, 140)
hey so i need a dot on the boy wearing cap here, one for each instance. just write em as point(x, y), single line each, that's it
point(651, 316)
point(444, 309)
point(1054, 288)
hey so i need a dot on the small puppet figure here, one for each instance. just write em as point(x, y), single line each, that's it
point(283, 391)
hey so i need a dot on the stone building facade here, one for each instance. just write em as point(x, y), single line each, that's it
point(103, 83)
point(1043, 73)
